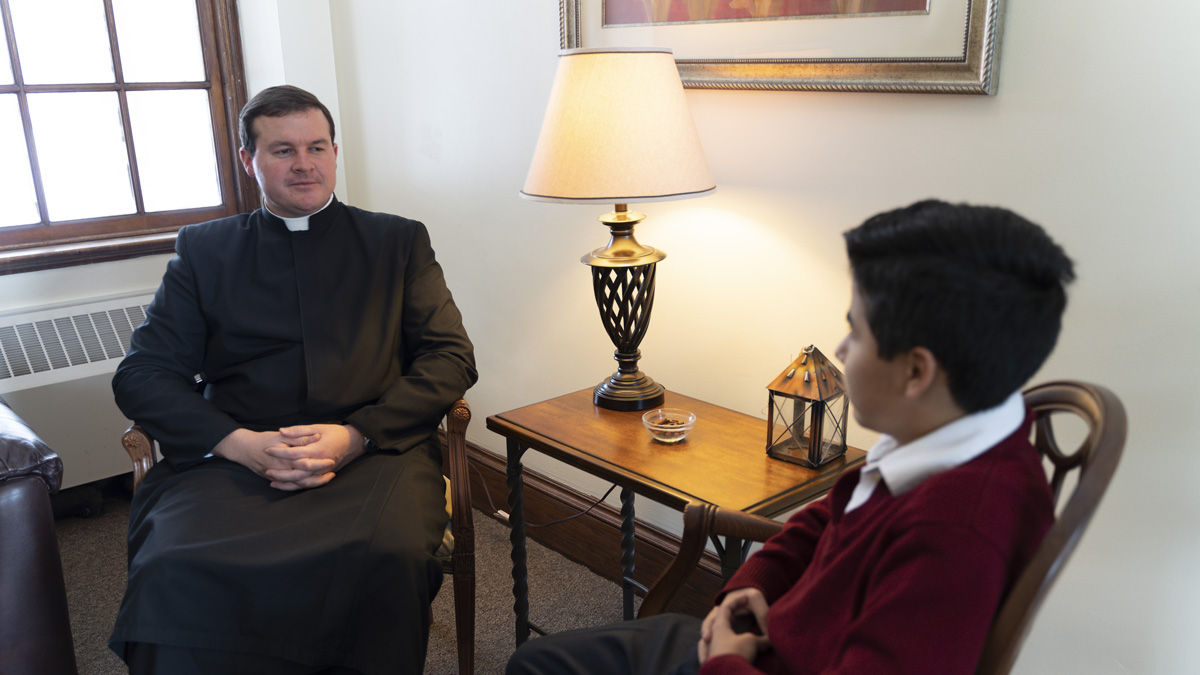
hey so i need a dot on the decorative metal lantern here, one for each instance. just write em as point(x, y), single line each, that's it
point(807, 408)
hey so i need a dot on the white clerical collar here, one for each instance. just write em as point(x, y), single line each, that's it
point(904, 467)
point(299, 224)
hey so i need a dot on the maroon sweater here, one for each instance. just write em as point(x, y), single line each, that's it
point(903, 584)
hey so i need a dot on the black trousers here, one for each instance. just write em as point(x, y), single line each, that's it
point(658, 645)
point(222, 565)
point(147, 658)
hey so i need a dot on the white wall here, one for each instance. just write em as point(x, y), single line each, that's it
point(1090, 135)
point(290, 43)
point(53, 287)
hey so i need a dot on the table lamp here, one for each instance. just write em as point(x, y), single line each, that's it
point(618, 131)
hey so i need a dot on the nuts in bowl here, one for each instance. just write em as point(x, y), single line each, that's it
point(669, 425)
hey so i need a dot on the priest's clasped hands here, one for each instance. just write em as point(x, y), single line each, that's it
point(294, 458)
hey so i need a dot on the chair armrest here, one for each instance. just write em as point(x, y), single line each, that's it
point(23, 453)
point(35, 627)
point(140, 446)
point(455, 467)
point(744, 526)
point(700, 521)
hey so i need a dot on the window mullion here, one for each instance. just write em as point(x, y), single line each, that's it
point(23, 104)
point(119, 76)
point(34, 165)
point(134, 175)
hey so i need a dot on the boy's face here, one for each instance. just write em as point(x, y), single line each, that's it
point(875, 385)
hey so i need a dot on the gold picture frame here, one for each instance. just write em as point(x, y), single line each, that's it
point(973, 71)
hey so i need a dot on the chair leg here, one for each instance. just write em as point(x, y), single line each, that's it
point(464, 611)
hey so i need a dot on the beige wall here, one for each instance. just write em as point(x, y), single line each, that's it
point(1091, 134)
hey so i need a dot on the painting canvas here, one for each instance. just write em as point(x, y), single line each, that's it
point(911, 46)
point(645, 12)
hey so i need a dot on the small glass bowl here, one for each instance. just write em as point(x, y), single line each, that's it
point(669, 425)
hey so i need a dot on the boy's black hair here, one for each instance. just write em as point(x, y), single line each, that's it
point(277, 102)
point(980, 287)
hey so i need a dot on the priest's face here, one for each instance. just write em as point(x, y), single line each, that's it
point(294, 161)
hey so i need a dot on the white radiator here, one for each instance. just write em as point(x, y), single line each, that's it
point(56, 366)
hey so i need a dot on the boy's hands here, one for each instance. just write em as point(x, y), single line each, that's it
point(719, 633)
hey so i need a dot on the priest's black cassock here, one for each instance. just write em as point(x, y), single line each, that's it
point(347, 322)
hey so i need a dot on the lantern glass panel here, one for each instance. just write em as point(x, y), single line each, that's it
point(810, 433)
point(789, 424)
point(833, 430)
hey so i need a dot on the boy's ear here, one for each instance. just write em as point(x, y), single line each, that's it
point(921, 372)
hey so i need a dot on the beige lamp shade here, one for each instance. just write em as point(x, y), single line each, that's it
point(617, 130)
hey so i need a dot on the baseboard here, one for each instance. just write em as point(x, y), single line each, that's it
point(593, 539)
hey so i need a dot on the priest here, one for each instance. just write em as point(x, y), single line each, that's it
point(294, 366)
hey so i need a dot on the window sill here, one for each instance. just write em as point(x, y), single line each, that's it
point(84, 253)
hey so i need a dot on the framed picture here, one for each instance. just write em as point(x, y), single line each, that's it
point(911, 46)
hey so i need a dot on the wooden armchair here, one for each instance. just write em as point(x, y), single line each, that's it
point(459, 561)
point(1096, 458)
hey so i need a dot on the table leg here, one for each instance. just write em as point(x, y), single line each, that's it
point(732, 551)
point(628, 543)
point(733, 556)
point(516, 518)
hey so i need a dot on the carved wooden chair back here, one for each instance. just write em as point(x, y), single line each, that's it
point(1096, 458)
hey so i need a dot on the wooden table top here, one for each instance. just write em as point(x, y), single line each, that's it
point(722, 461)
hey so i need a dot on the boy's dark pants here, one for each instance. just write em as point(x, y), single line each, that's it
point(659, 645)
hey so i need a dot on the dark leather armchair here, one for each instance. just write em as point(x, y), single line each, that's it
point(1095, 458)
point(35, 631)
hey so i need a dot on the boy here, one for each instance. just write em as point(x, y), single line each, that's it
point(901, 568)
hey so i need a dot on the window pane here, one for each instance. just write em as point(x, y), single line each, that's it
point(81, 151)
point(173, 139)
point(62, 42)
point(159, 40)
point(6, 74)
point(20, 201)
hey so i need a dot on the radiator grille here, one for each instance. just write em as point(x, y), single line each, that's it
point(39, 342)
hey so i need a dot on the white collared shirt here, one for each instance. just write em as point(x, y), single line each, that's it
point(903, 467)
point(298, 224)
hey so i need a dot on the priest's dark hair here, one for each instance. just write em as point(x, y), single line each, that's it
point(980, 287)
point(277, 102)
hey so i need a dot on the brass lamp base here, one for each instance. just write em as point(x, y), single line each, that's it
point(606, 399)
point(624, 391)
point(623, 282)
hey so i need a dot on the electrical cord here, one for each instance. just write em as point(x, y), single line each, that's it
point(487, 493)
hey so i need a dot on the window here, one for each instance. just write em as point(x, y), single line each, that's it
point(118, 120)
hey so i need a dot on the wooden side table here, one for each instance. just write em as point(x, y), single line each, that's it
point(723, 461)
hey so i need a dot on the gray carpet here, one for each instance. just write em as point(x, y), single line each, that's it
point(562, 594)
